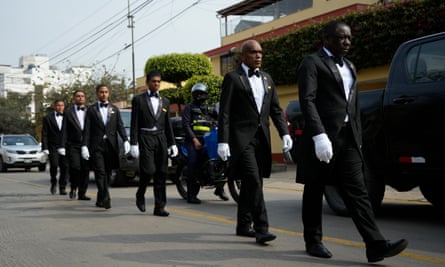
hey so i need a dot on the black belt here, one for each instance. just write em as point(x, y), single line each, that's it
point(155, 132)
point(346, 124)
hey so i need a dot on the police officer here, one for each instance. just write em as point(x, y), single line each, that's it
point(196, 120)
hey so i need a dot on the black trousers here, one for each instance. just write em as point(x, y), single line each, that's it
point(103, 162)
point(349, 177)
point(251, 206)
point(57, 162)
point(79, 170)
point(153, 164)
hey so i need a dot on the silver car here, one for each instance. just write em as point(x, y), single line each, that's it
point(21, 151)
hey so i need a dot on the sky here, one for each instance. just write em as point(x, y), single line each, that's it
point(95, 32)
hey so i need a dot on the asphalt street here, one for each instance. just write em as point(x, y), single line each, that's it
point(40, 229)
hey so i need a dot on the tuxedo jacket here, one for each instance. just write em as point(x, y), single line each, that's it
point(239, 119)
point(95, 129)
point(324, 107)
point(52, 136)
point(73, 134)
point(143, 116)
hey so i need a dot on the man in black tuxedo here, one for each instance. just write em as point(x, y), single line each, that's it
point(53, 146)
point(331, 144)
point(151, 133)
point(103, 124)
point(73, 139)
point(248, 99)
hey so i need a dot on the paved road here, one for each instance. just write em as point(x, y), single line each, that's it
point(39, 229)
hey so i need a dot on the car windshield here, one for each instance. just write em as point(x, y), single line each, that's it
point(19, 141)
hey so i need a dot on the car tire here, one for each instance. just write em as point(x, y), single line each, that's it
point(42, 167)
point(3, 167)
point(434, 194)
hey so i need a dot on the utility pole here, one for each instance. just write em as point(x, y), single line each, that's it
point(131, 26)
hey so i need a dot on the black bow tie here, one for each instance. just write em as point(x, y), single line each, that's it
point(154, 95)
point(338, 60)
point(253, 72)
point(59, 114)
point(103, 105)
point(81, 108)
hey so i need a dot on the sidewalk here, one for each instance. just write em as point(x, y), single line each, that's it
point(283, 176)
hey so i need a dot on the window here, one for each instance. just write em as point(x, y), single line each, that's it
point(426, 62)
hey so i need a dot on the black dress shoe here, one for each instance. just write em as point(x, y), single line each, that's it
point(318, 250)
point(263, 237)
point(161, 212)
point(107, 203)
point(141, 205)
point(221, 194)
point(99, 204)
point(62, 191)
point(245, 231)
point(83, 198)
point(53, 189)
point(72, 194)
point(383, 249)
point(194, 200)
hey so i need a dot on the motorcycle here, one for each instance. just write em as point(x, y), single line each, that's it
point(211, 172)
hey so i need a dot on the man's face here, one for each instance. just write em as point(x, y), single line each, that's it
point(59, 106)
point(79, 98)
point(252, 55)
point(154, 83)
point(339, 41)
point(103, 94)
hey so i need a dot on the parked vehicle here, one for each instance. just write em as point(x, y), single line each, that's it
point(21, 151)
point(128, 166)
point(403, 125)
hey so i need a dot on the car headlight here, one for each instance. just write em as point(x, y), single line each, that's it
point(11, 151)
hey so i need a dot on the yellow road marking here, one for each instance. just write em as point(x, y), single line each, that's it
point(412, 255)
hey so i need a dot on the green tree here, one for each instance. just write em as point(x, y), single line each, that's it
point(176, 68)
point(15, 114)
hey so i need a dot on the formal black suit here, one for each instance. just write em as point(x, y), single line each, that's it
point(73, 138)
point(325, 109)
point(102, 142)
point(52, 140)
point(247, 132)
point(153, 144)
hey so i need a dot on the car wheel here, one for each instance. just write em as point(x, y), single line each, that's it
point(42, 167)
point(3, 167)
point(118, 178)
point(434, 194)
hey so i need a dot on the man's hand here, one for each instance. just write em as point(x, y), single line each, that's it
point(173, 151)
point(126, 147)
point(287, 143)
point(85, 153)
point(45, 151)
point(323, 147)
point(134, 151)
point(61, 151)
point(223, 151)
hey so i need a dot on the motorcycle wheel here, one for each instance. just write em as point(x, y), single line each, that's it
point(179, 179)
point(234, 185)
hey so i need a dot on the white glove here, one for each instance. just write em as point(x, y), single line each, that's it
point(287, 143)
point(173, 151)
point(126, 147)
point(134, 151)
point(61, 151)
point(223, 151)
point(323, 147)
point(46, 151)
point(85, 153)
